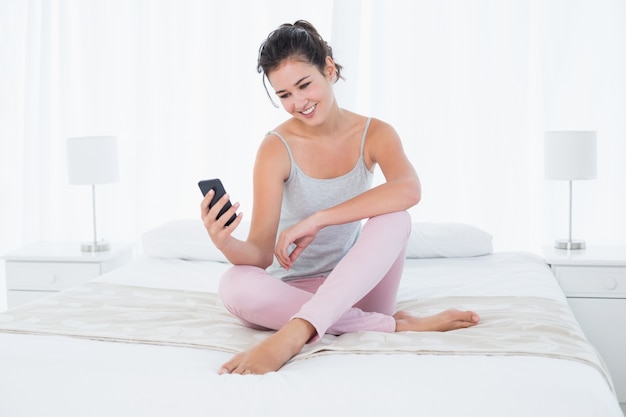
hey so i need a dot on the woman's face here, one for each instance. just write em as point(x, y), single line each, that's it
point(304, 92)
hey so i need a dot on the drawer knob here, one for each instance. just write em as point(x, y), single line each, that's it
point(610, 283)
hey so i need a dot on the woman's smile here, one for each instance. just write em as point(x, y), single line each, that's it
point(308, 112)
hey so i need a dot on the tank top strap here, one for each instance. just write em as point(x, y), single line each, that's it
point(292, 161)
point(273, 132)
point(367, 125)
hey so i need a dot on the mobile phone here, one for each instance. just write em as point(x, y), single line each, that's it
point(216, 185)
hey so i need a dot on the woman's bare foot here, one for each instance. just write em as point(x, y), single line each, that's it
point(272, 353)
point(446, 320)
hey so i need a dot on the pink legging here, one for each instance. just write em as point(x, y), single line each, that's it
point(359, 294)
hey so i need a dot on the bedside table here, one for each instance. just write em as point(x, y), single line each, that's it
point(41, 268)
point(594, 281)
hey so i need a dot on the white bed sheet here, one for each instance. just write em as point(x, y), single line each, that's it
point(55, 375)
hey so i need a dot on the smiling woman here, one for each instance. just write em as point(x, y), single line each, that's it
point(312, 191)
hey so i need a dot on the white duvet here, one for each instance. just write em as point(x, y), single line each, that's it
point(64, 376)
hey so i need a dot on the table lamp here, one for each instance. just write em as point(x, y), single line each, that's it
point(570, 155)
point(92, 160)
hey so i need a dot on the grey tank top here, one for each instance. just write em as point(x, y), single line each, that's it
point(303, 196)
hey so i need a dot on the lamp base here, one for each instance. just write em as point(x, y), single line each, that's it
point(567, 244)
point(101, 246)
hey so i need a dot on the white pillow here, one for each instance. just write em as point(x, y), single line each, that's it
point(186, 239)
point(447, 240)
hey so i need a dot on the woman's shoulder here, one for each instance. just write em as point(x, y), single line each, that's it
point(381, 139)
point(380, 129)
point(273, 156)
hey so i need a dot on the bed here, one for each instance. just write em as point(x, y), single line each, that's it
point(147, 340)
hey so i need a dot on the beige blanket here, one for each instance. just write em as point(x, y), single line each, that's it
point(509, 325)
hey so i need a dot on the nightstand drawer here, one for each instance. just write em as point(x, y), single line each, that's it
point(592, 281)
point(48, 276)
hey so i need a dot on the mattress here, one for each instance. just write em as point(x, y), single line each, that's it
point(71, 375)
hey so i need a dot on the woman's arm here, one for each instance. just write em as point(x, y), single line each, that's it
point(271, 168)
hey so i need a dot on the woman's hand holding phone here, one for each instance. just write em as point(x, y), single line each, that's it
point(219, 191)
point(217, 212)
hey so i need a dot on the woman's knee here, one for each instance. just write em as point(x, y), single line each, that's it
point(234, 288)
point(402, 218)
point(398, 222)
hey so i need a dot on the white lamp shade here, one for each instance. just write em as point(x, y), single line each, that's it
point(570, 155)
point(92, 160)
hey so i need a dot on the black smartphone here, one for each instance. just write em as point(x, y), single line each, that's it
point(216, 185)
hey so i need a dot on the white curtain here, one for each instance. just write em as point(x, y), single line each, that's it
point(469, 85)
